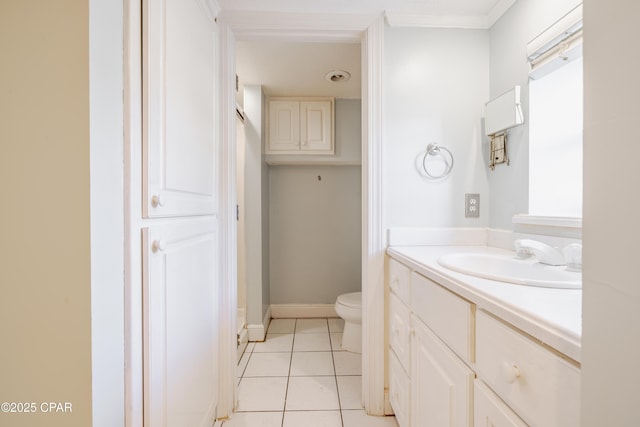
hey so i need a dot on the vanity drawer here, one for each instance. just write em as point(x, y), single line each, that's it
point(399, 280)
point(448, 315)
point(538, 384)
point(400, 330)
point(399, 387)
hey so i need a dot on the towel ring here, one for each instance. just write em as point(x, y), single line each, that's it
point(434, 149)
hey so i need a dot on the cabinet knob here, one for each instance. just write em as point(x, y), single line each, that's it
point(510, 372)
point(157, 200)
point(158, 246)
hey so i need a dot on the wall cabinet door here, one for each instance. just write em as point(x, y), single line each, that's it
point(284, 126)
point(316, 127)
point(441, 384)
point(180, 324)
point(179, 120)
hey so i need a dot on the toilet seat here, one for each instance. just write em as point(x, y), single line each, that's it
point(352, 299)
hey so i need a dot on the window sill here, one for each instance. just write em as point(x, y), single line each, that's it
point(549, 225)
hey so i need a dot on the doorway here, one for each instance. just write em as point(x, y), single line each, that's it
point(369, 31)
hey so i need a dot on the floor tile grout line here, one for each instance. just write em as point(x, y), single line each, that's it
point(286, 393)
point(335, 376)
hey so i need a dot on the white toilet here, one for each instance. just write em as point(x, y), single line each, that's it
point(349, 307)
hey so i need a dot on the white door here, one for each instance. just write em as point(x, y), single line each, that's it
point(179, 225)
point(441, 384)
point(180, 328)
point(179, 71)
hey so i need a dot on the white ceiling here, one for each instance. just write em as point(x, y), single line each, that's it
point(298, 69)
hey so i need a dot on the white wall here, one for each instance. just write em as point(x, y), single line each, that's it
point(241, 249)
point(509, 185)
point(435, 87)
point(315, 233)
point(255, 207)
point(107, 212)
point(315, 224)
point(611, 295)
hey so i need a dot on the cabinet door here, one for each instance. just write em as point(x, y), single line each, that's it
point(284, 127)
point(180, 324)
point(490, 411)
point(400, 330)
point(179, 131)
point(316, 126)
point(399, 388)
point(441, 384)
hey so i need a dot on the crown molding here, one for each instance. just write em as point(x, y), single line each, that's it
point(308, 27)
point(407, 19)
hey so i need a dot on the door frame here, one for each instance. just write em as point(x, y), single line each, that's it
point(369, 31)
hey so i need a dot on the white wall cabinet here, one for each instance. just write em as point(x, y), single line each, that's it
point(466, 366)
point(299, 126)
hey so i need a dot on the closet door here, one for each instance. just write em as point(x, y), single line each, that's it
point(180, 327)
point(179, 129)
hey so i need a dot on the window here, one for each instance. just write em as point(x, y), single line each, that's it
point(555, 142)
point(555, 122)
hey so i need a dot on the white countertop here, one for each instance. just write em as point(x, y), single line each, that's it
point(552, 316)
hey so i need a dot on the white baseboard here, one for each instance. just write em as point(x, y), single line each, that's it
point(243, 341)
point(388, 410)
point(257, 332)
point(293, 311)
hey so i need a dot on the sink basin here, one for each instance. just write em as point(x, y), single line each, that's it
point(506, 268)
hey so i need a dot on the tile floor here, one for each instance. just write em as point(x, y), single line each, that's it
point(300, 377)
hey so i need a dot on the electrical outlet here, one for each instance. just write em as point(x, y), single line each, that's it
point(472, 205)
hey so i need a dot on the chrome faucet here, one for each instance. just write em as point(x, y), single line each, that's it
point(544, 253)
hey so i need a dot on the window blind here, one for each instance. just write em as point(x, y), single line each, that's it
point(557, 45)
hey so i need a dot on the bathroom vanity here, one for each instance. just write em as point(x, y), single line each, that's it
point(467, 351)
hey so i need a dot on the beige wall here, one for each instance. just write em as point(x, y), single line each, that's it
point(611, 295)
point(45, 320)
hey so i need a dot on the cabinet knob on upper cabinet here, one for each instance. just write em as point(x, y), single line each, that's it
point(510, 372)
point(157, 200)
point(158, 246)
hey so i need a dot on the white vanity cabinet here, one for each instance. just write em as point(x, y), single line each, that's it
point(399, 341)
point(442, 340)
point(536, 382)
point(441, 384)
point(300, 126)
point(467, 366)
point(429, 385)
point(490, 410)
